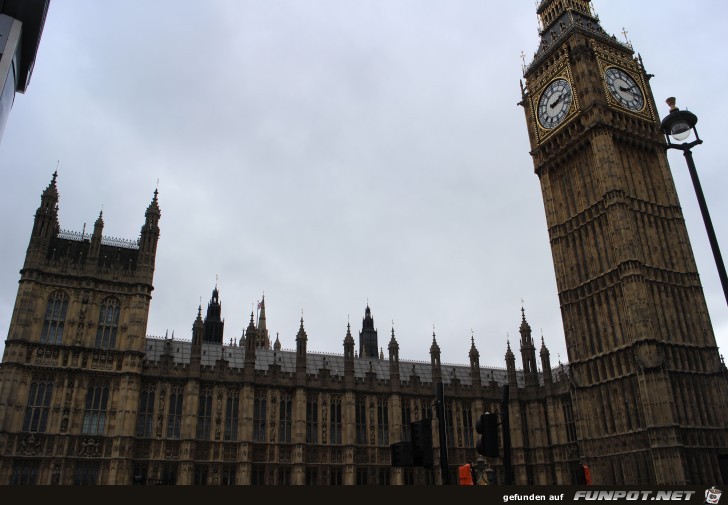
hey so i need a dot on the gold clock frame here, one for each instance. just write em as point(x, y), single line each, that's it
point(608, 58)
point(562, 71)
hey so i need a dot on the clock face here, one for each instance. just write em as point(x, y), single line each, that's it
point(624, 89)
point(554, 104)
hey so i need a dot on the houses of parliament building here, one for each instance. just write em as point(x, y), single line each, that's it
point(87, 398)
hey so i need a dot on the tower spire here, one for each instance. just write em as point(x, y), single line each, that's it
point(214, 323)
point(368, 341)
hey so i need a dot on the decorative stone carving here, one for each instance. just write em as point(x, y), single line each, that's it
point(29, 446)
point(89, 448)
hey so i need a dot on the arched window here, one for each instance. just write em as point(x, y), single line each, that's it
point(174, 414)
point(231, 416)
point(108, 323)
point(335, 420)
point(55, 317)
point(312, 419)
point(94, 415)
point(146, 412)
point(284, 433)
point(204, 414)
point(259, 417)
point(38, 406)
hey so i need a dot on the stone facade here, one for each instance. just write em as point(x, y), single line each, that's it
point(648, 379)
point(86, 398)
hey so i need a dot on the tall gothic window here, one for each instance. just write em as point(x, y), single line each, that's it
point(204, 414)
point(108, 323)
point(284, 433)
point(361, 476)
point(38, 406)
point(257, 474)
point(361, 421)
point(312, 476)
point(383, 423)
point(383, 476)
point(569, 419)
point(55, 318)
point(259, 417)
point(284, 476)
point(86, 473)
point(174, 413)
point(426, 410)
point(406, 421)
point(468, 426)
point(168, 475)
point(94, 415)
point(336, 476)
point(231, 416)
point(335, 420)
point(449, 423)
point(200, 475)
point(25, 472)
point(228, 475)
point(146, 412)
point(312, 420)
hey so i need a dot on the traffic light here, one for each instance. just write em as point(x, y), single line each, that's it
point(487, 428)
point(422, 443)
point(402, 454)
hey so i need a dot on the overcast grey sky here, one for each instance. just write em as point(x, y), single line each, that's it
point(330, 152)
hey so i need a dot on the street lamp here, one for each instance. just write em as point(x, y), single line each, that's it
point(678, 125)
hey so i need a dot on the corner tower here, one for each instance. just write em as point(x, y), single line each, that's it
point(643, 356)
point(77, 334)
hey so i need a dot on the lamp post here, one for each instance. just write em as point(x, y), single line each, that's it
point(678, 124)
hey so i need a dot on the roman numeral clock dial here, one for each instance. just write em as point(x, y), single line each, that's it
point(624, 89)
point(555, 103)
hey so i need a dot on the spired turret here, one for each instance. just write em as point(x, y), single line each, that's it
point(45, 224)
point(214, 324)
point(368, 336)
point(528, 352)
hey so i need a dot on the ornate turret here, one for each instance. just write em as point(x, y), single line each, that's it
point(45, 225)
point(435, 359)
point(301, 341)
point(95, 248)
point(393, 354)
point(528, 352)
point(368, 336)
point(511, 368)
point(214, 324)
point(250, 334)
point(263, 340)
point(277, 344)
point(348, 353)
point(474, 362)
point(545, 363)
point(560, 18)
point(149, 237)
point(198, 329)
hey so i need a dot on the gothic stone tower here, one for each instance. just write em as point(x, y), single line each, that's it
point(368, 336)
point(646, 370)
point(72, 367)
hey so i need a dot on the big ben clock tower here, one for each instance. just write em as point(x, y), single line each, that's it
point(649, 387)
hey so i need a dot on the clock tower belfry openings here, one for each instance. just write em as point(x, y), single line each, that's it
point(649, 387)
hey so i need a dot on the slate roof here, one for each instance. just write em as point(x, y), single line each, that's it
point(286, 359)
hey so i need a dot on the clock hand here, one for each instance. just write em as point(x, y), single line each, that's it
point(558, 100)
